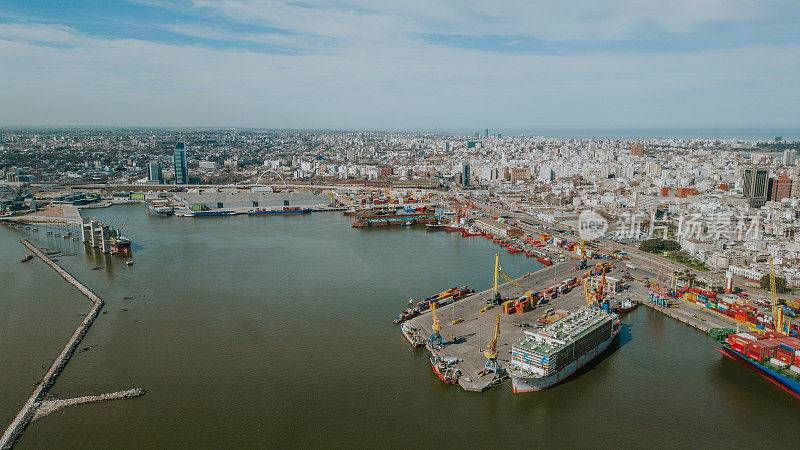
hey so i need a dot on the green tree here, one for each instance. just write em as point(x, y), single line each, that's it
point(780, 284)
point(659, 245)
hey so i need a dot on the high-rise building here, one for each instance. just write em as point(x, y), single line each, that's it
point(795, 177)
point(637, 150)
point(465, 176)
point(154, 173)
point(179, 159)
point(780, 188)
point(755, 185)
point(789, 157)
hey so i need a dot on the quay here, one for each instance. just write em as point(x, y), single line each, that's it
point(35, 401)
point(467, 339)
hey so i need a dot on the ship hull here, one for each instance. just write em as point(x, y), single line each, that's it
point(529, 384)
point(783, 382)
point(279, 212)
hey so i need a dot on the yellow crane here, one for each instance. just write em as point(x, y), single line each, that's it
point(435, 340)
point(495, 294)
point(583, 255)
point(595, 298)
point(777, 313)
point(491, 350)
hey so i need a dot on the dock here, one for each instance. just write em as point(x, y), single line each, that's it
point(474, 332)
point(388, 220)
point(36, 400)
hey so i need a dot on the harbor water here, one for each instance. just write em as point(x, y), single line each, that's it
point(276, 331)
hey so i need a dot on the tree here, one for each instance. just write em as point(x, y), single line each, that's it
point(780, 284)
point(659, 245)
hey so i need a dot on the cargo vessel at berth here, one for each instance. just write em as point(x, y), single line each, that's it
point(285, 210)
point(773, 355)
point(120, 244)
point(545, 357)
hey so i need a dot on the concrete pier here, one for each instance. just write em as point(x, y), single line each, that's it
point(31, 406)
point(473, 334)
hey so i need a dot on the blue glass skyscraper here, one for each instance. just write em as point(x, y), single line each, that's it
point(179, 159)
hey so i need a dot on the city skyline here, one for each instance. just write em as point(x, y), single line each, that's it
point(386, 66)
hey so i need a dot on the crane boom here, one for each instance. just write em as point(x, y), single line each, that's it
point(491, 347)
point(777, 313)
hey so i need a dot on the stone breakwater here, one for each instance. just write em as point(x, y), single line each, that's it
point(35, 401)
point(50, 406)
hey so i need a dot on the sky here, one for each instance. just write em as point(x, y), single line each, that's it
point(408, 64)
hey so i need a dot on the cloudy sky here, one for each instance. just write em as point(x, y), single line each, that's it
point(401, 64)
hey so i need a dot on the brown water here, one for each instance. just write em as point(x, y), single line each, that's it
point(276, 331)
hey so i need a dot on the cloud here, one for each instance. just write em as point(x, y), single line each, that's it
point(39, 33)
point(355, 64)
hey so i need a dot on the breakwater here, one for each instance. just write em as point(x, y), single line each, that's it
point(35, 401)
point(50, 406)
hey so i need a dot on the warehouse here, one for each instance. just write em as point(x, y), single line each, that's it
point(497, 228)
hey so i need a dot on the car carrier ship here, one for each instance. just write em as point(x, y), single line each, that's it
point(545, 357)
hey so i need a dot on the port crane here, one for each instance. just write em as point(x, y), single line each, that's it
point(491, 351)
point(496, 298)
point(595, 299)
point(777, 313)
point(495, 293)
point(435, 340)
point(582, 265)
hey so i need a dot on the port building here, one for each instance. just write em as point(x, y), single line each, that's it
point(235, 199)
point(498, 228)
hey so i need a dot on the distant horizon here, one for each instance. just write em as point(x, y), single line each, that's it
point(577, 132)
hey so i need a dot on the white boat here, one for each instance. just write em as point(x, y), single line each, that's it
point(545, 357)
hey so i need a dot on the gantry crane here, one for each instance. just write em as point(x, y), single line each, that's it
point(435, 340)
point(777, 313)
point(491, 350)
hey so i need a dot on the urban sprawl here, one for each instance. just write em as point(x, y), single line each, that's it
point(711, 204)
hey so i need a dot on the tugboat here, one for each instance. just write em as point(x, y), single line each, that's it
point(627, 305)
point(27, 258)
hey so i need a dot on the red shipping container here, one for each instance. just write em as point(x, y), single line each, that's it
point(773, 335)
point(791, 342)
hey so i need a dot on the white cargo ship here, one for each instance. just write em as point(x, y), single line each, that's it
point(545, 357)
